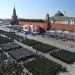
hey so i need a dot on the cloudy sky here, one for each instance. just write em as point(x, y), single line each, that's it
point(36, 8)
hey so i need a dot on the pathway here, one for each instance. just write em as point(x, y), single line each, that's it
point(52, 41)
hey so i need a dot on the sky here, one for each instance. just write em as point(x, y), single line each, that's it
point(36, 9)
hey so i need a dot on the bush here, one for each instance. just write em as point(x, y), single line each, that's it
point(4, 40)
point(38, 45)
point(66, 56)
point(43, 66)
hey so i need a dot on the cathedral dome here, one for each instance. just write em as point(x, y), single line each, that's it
point(59, 13)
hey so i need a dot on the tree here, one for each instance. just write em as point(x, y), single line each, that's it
point(41, 30)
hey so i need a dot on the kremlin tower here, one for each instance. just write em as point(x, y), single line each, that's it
point(48, 22)
point(14, 20)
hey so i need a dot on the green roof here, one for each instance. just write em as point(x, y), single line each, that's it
point(59, 13)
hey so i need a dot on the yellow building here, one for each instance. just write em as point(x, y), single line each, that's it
point(60, 18)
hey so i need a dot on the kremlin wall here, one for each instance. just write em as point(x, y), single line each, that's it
point(57, 22)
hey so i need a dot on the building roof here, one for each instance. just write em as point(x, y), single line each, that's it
point(59, 13)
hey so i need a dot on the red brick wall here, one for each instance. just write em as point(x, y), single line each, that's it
point(66, 27)
point(37, 24)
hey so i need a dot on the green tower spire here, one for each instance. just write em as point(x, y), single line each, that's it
point(14, 20)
